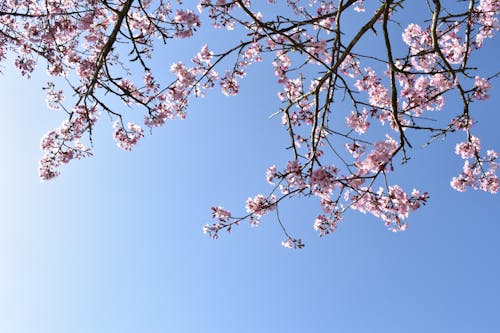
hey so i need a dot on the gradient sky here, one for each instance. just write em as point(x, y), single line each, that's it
point(115, 244)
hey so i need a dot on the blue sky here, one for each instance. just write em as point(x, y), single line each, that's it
point(115, 244)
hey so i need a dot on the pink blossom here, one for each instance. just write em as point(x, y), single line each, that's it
point(229, 85)
point(127, 139)
point(271, 173)
point(452, 46)
point(327, 225)
point(358, 122)
point(485, 15)
point(260, 205)
point(378, 94)
point(188, 22)
point(479, 173)
point(185, 76)
point(379, 157)
point(392, 207)
point(468, 149)
point(355, 149)
point(350, 66)
point(293, 176)
point(54, 98)
point(323, 181)
point(292, 243)
point(359, 6)
point(481, 87)
point(204, 56)
point(221, 214)
point(212, 230)
point(104, 51)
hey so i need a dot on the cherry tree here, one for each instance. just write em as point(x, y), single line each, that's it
point(350, 111)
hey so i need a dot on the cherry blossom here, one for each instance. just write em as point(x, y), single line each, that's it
point(350, 113)
point(481, 87)
point(358, 122)
point(127, 139)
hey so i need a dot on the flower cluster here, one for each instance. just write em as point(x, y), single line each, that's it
point(54, 143)
point(260, 205)
point(477, 172)
point(188, 21)
point(127, 139)
point(419, 81)
point(378, 159)
point(327, 225)
point(481, 87)
point(292, 243)
point(392, 206)
point(333, 92)
point(358, 122)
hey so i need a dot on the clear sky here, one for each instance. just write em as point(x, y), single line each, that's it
point(115, 244)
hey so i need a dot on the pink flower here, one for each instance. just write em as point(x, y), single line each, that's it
point(350, 66)
point(54, 98)
point(359, 6)
point(292, 243)
point(260, 205)
point(481, 87)
point(293, 176)
point(468, 149)
point(478, 174)
point(229, 85)
point(271, 173)
point(127, 139)
point(358, 122)
point(204, 56)
point(221, 214)
point(379, 157)
point(327, 225)
point(187, 21)
point(392, 207)
point(323, 181)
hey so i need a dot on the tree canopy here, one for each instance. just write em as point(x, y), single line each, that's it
point(355, 97)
